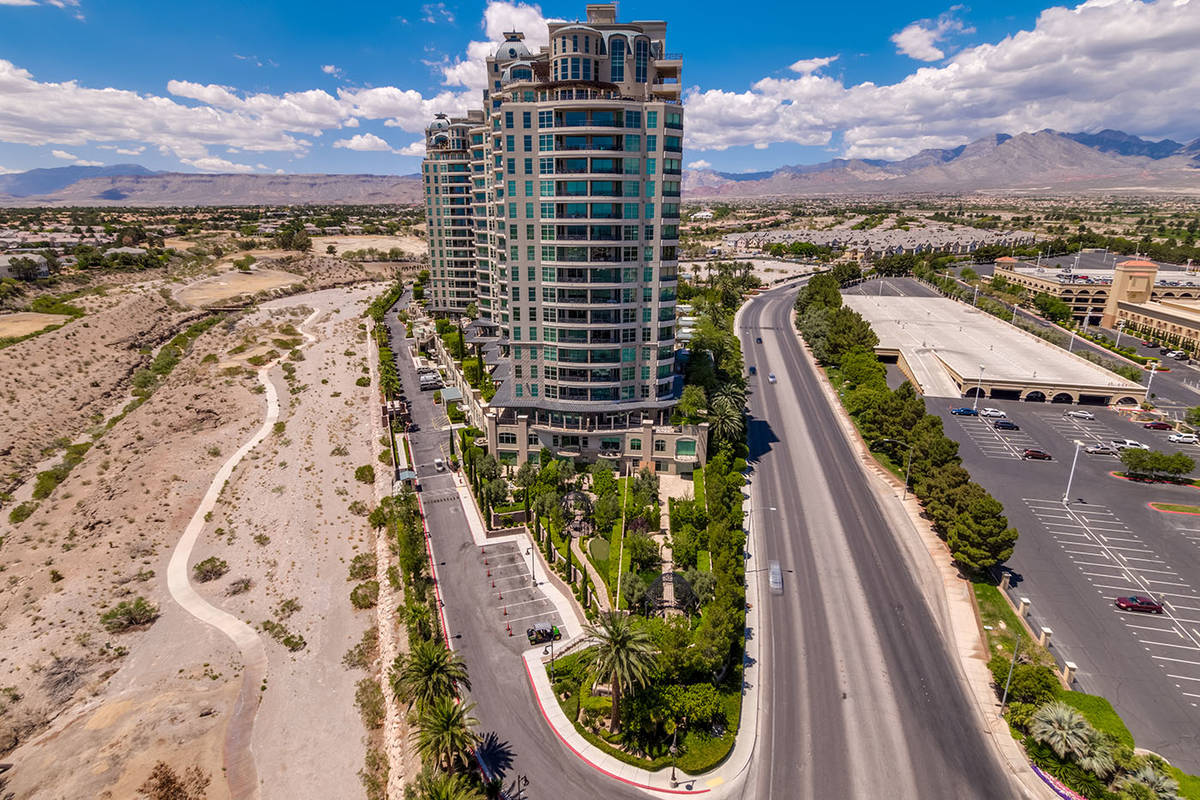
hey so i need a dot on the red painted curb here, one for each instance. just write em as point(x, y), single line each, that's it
point(1150, 505)
point(584, 759)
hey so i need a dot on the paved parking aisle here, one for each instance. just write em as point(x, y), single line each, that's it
point(1088, 431)
point(993, 443)
point(518, 604)
point(1117, 561)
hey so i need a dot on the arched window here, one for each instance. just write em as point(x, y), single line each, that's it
point(617, 60)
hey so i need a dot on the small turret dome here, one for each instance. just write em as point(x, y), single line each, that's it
point(513, 46)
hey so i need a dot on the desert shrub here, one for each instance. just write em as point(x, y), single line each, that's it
point(365, 595)
point(239, 586)
point(363, 381)
point(1031, 683)
point(361, 655)
point(210, 569)
point(21, 512)
point(359, 509)
point(368, 696)
point(365, 474)
point(362, 567)
point(165, 783)
point(129, 614)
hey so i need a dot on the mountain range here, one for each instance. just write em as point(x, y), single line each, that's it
point(1044, 162)
point(1047, 162)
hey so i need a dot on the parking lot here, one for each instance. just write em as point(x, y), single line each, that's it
point(1074, 559)
point(516, 602)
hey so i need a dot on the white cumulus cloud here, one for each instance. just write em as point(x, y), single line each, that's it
point(699, 164)
point(807, 66)
point(332, 69)
point(364, 142)
point(919, 39)
point(1123, 64)
point(213, 164)
point(64, 155)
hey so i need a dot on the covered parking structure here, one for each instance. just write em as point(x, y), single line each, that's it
point(951, 349)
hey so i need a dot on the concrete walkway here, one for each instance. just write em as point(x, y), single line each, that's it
point(240, 770)
point(601, 592)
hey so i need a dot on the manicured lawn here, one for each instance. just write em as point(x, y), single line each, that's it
point(698, 487)
point(1100, 713)
point(599, 550)
point(704, 561)
point(1177, 508)
point(1189, 785)
point(995, 610)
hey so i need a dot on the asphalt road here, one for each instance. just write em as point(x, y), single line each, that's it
point(505, 703)
point(1072, 561)
point(862, 697)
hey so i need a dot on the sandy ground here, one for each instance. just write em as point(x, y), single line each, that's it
point(284, 519)
point(227, 285)
point(106, 534)
point(411, 245)
point(23, 322)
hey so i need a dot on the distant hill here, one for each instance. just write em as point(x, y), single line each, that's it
point(1046, 161)
point(146, 188)
point(46, 181)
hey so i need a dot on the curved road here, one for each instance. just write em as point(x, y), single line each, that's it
point(861, 695)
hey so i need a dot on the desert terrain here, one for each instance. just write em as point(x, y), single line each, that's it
point(279, 539)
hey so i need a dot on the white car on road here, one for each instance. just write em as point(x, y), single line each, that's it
point(991, 412)
point(1128, 444)
point(1079, 413)
point(1184, 438)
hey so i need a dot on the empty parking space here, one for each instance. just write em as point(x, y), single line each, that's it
point(995, 443)
point(517, 602)
point(1093, 431)
point(1117, 561)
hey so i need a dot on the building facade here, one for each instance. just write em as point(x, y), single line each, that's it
point(575, 171)
point(449, 212)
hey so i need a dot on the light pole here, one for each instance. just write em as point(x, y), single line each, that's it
point(532, 565)
point(907, 462)
point(1071, 343)
point(1120, 330)
point(1071, 477)
point(1011, 665)
point(978, 389)
point(1150, 380)
point(975, 299)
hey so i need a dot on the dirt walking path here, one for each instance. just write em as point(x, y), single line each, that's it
point(240, 771)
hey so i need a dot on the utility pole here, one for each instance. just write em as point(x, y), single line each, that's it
point(1008, 680)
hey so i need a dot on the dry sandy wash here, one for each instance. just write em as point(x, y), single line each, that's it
point(86, 712)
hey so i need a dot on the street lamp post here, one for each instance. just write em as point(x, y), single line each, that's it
point(1071, 343)
point(1071, 477)
point(1011, 665)
point(907, 461)
point(978, 389)
point(1120, 330)
point(1150, 380)
point(532, 565)
point(975, 299)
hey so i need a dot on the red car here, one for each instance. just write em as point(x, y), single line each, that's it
point(1158, 426)
point(1139, 603)
point(1034, 453)
point(1148, 343)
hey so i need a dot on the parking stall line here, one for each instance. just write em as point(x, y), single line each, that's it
point(1152, 628)
point(541, 616)
point(1177, 660)
point(1191, 647)
point(1183, 677)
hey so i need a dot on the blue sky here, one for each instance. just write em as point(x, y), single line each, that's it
point(300, 86)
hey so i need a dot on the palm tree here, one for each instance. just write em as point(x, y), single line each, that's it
point(1163, 786)
point(445, 732)
point(1099, 757)
point(446, 786)
point(427, 672)
point(623, 652)
point(1063, 729)
point(726, 420)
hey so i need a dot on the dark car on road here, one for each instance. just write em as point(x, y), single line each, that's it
point(1005, 425)
point(1139, 603)
point(753, 370)
point(1157, 425)
point(543, 632)
point(1036, 454)
point(965, 411)
point(758, 340)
